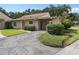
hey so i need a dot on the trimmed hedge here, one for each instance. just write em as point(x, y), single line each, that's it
point(55, 29)
point(30, 28)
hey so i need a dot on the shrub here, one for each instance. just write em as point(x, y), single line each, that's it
point(67, 23)
point(30, 28)
point(55, 28)
point(8, 25)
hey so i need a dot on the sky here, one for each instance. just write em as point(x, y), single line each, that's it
point(22, 7)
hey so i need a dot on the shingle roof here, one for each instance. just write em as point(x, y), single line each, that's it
point(4, 17)
point(44, 15)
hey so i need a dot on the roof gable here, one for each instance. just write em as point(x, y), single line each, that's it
point(45, 15)
point(4, 17)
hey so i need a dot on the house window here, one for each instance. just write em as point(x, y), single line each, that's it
point(30, 22)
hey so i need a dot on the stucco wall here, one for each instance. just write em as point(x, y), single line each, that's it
point(56, 21)
point(27, 23)
point(36, 24)
point(2, 24)
point(19, 24)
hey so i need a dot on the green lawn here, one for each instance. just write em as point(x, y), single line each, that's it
point(74, 38)
point(52, 40)
point(75, 28)
point(60, 40)
point(11, 32)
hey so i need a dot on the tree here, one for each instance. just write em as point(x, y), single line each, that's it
point(67, 23)
point(11, 14)
point(57, 10)
point(3, 11)
point(66, 8)
point(74, 16)
point(35, 11)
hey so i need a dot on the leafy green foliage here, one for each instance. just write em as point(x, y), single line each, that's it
point(8, 25)
point(55, 29)
point(3, 10)
point(67, 23)
point(52, 9)
point(74, 16)
point(60, 40)
point(57, 10)
point(30, 28)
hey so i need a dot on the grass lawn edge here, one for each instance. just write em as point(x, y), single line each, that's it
point(47, 39)
point(11, 32)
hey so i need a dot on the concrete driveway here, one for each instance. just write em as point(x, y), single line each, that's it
point(25, 44)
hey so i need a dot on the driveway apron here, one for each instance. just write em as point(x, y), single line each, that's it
point(25, 44)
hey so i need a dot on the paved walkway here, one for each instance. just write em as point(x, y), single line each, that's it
point(72, 49)
point(25, 44)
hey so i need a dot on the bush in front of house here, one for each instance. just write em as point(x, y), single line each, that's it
point(55, 29)
point(30, 28)
point(67, 23)
point(8, 25)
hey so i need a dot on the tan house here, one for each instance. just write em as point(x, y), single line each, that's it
point(39, 20)
point(56, 20)
point(3, 19)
